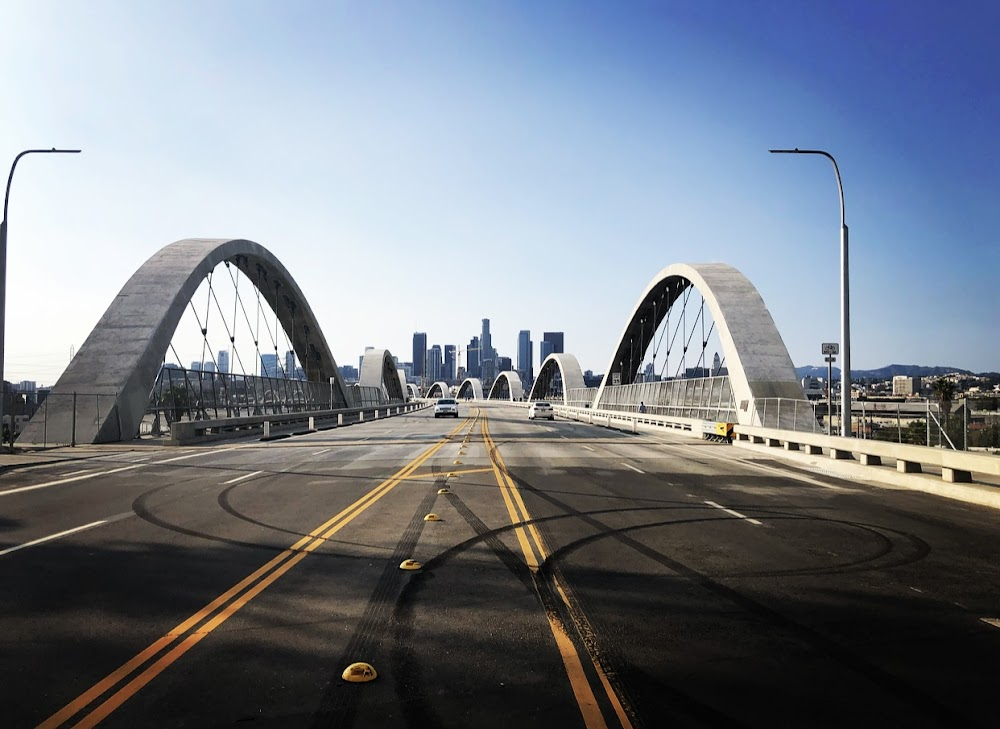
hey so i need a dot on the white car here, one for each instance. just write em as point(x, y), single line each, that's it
point(541, 410)
point(446, 406)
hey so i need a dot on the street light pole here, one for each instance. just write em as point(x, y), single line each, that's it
point(3, 274)
point(845, 298)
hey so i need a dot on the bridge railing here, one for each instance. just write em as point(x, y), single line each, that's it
point(705, 398)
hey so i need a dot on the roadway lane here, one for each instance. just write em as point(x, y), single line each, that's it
point(578, 577)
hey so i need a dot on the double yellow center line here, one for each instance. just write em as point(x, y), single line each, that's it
point(222, 608)
point(535, 554)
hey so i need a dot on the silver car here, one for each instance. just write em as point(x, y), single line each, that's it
point(446, 406)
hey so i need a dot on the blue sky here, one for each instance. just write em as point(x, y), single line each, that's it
point(419, 166)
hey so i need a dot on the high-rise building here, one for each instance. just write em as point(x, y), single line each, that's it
point(473, 359)
point(434, 362)
point(224, 361)
point(269, 365)
point(196, 366)
point(525, 352)
point(556, 338)
point(487, 355)
point(544, 350)
point(289, 364)
point(448, 372)
point(504, 364)
point(419, 353)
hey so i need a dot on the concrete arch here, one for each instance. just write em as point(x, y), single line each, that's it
point(567, 367)
point(471, 386)
point(507, 386)
point(439, 389)
point(401, 375)
point(412, 391)
point(122, 355)
point(379, 370)
point(756, 357)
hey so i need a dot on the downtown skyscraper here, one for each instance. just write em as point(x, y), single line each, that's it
point(525, 353)
point(419, 353)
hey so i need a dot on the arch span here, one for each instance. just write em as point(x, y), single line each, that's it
point(567, 367)
point(507, 386)
point(471, 387)
point(121, 357)
point(412, 391)
point(401, 375)
point(379, 370)
point(439, 389)
point(758, 362)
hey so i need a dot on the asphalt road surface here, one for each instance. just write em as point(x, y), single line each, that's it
point(576, 577)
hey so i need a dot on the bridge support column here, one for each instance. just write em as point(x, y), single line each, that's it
point(839, 454)
point(814, 450)
point(267, 428)
point(312, 423)
point(869, 460)
point(954, 475)
point(340, 418)
point(789, 446)
point(908, 467)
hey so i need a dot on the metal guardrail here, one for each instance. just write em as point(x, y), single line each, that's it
point(203, 431)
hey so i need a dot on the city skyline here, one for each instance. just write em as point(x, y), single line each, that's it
point(609, 144)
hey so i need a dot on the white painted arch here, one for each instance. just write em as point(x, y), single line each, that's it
point(756, 357)
point(379, 370)
point(567, 366)
point(439, 389)
point(509, 381)
point(471, 386)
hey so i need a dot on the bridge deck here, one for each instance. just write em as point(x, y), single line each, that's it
point(678, 582)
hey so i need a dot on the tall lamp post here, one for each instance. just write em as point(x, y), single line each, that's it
point(845, 298)
point(3, 271)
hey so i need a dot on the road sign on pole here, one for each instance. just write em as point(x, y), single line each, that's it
point(831, 348)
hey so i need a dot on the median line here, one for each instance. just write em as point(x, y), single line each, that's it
point(583, 692)
point(223, 607)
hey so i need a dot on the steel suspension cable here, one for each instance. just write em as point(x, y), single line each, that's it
point(694, 326)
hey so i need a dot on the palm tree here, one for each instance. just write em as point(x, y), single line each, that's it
point(944, 391)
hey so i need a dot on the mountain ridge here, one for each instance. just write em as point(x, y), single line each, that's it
point(884, 373)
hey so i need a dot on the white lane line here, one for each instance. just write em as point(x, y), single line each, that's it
point(74, 530)
point(628, 465)
point(195, 455)
point(140, 458)
point(564, 437)
point(784, 473)
point(53, 536)
point(734, 513)
point(79, 473)
point(82, 477)
point(991, 621)
point(241, 478)
point(321, 452)
point(588, 448)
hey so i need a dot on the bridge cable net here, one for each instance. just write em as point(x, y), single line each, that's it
point(672, 362)
point(230, 357)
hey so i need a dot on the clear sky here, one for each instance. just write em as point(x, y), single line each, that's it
point(422, 165)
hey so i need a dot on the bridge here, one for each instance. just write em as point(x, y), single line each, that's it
point(367, 565)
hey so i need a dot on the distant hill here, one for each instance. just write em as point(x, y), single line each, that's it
point(883, 373)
